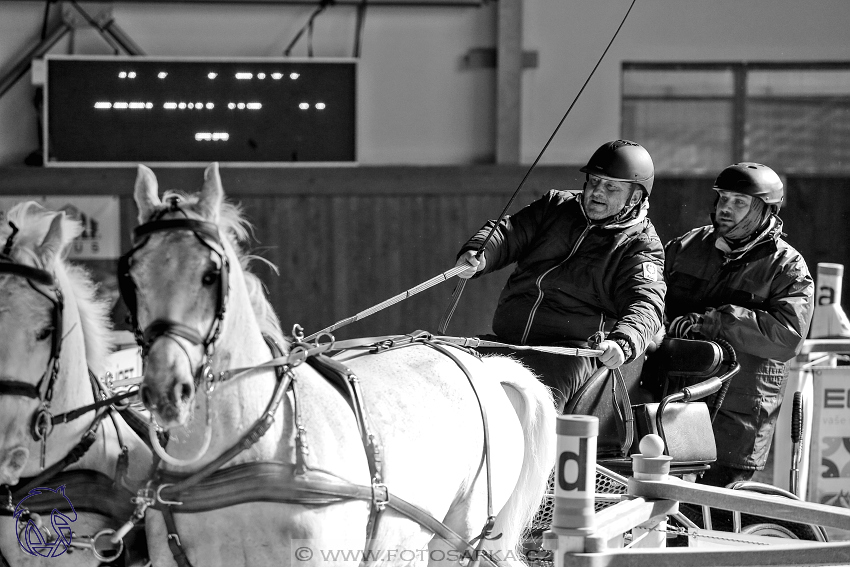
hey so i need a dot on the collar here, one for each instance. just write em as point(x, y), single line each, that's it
point(618, 221)
point(770, 232)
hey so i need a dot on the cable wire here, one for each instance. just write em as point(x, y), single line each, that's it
point(444, 322)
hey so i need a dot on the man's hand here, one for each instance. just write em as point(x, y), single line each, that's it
point(612, 355)
point(475, 264)
point(685, 326)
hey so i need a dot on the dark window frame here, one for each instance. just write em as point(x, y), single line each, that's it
point(738, 98)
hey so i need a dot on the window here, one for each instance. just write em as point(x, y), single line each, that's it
point(700, 117)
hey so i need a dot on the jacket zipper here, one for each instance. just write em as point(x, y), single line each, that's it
point(540, 289)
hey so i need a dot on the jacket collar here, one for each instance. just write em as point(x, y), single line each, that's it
point(771, 232)
point(635, 216)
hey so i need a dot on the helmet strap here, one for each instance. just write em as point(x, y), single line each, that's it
point(630, 209)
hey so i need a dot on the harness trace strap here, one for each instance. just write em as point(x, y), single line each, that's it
point(212, 488)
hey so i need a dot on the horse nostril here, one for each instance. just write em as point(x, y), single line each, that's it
point(147, 398)
point(183, 392)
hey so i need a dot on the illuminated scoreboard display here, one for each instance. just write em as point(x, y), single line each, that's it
point(127, 110)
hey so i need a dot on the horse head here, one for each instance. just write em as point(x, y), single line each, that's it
point(41, 338)
point(174, 282)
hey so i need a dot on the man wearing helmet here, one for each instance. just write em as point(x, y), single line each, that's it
point(585, 262)
point(738, 280)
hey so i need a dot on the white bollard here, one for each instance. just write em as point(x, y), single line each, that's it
point(573, 516)
point(829, 320)
point(651, 464)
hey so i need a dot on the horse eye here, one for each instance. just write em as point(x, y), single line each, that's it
point(211, 277)
point(44, 333)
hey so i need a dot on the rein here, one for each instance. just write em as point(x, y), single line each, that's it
point(455, 299)
point(105, 498)
point(444, 322)
point(299, 484)
point(301, 351)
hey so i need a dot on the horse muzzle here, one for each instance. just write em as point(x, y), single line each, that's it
point(12, 463)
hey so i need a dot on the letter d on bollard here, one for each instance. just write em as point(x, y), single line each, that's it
point(575, 473)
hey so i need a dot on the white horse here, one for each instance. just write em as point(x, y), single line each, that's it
point(202, 314)
point(52, 332)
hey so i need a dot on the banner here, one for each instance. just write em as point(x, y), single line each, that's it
point(830, 461)
point(99, 215)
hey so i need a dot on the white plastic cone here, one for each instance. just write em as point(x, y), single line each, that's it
point(829, 320)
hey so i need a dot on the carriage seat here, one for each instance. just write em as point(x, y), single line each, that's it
point(676, 363)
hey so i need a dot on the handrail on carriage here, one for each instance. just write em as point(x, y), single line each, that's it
point(653, 495)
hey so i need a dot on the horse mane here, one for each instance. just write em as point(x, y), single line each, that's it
point(239, 231)
point(33, 222)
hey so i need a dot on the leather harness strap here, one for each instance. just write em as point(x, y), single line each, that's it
point(276, 482)
point(625, 416)
point(174, 539)
point(213, 488)
point(342, 377)
point(91, 491)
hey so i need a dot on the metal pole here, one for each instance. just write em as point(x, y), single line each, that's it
point(23, 65)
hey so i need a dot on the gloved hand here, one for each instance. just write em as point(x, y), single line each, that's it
point(685, 326)
point(612, 354)
point(475, 264)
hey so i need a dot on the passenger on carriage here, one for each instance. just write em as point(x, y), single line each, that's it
point(586, 261)
point(738, 280)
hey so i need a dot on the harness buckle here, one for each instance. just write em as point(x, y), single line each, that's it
point(297, 355)
point(42, 423)
point(165, 502)
point(208, 378)
point(380, 495)
point(328, 344)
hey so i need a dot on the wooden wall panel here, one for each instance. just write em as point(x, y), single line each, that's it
point(347, 239)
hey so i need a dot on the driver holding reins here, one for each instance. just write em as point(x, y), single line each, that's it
point(585, 262)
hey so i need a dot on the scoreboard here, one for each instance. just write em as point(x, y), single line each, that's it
point(124, 110)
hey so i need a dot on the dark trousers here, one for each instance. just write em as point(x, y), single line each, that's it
point(563, 374)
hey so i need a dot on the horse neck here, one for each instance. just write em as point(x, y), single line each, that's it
point(241, 342)
point(73, 389)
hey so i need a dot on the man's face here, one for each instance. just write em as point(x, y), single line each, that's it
point(604, 198)
point(730, 209)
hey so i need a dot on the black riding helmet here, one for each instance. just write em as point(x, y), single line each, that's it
point(752, 179)
point(622, 160)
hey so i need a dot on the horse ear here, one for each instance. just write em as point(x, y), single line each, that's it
point(212, 194)
point(50, 247)
point(146, 193)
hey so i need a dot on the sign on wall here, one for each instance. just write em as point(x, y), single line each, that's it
point(99, 215)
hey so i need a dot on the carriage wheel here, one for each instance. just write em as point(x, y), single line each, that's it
point(769, 530)
point(756, 525)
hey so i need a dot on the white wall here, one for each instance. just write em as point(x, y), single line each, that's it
point(572, 34)
point(418, 103)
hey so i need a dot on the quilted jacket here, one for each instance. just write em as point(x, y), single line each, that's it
point(574, 277)
point(760, 299)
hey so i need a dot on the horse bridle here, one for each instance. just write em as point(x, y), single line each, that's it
point(44, 283)
point(208, 234)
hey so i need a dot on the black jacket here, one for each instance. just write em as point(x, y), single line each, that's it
point(574, 277)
